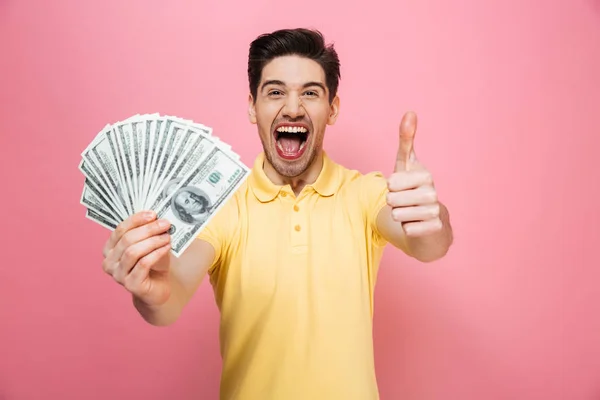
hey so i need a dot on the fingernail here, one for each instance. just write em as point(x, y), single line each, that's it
point(163, 223)
point(149, 214)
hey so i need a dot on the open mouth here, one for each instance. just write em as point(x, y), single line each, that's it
point(290, 141)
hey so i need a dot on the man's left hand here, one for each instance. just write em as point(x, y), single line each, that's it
point(412, 195)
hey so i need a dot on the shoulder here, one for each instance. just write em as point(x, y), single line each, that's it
point(355, 182)
point(364, 191)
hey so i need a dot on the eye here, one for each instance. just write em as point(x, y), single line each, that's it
point(311, 93)
point(275, 92)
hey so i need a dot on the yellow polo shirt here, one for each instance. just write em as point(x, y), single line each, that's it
point(294, 278)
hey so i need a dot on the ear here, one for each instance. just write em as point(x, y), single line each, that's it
point(334, 110)
point(251, 109)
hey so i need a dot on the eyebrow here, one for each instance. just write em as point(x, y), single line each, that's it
point(281, 83)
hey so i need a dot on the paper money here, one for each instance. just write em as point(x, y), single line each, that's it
point(191, 202)
point(174, 166)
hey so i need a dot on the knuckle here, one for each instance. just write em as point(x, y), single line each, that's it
point(146, 262)
point(106, 249)
point(432, 195)
point(105, 266)
point(130, 254)
point(393, 181)
point(427, 177)
point(129, 284)
point(152, 228)
point(159, 226)
point(117, 275)
point(400, 213)
point(126, 240)
point(119, 231)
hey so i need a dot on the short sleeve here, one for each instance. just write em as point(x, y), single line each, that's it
point(373, 192)
point(218, 231)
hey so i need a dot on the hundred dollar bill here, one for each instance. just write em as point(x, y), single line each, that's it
point(92, 198)
point(169, 132)
point(143, 128)
point(125, 144)
point(98, 162)
point(113, 146)
point(195, 146)
point(105, 222)
point(153, 146)
point(193, 202)
point(181, 139)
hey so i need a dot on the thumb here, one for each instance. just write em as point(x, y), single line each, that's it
point(406, 153)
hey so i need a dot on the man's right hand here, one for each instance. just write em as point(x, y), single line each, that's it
point(137, 256)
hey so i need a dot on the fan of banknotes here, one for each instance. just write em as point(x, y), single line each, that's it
point(173, 166)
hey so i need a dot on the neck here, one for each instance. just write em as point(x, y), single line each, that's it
point(297, 183)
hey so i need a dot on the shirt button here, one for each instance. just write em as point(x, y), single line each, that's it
point(283, 194)
point(297, 228)
point(296, 208)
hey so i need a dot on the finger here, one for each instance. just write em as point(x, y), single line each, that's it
point(134, 281)
point(408, 129)
point(139, 234)
point(132, 222)
point(414, 197)
point(416, 213)
point(403, 180)
point(138, 251)
point(422, 228)
point(109, 266)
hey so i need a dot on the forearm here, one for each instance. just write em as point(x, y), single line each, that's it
point(435, 245)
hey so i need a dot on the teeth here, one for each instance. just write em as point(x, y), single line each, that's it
point(292, 129)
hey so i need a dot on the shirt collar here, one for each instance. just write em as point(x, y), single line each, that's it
point(265, 190)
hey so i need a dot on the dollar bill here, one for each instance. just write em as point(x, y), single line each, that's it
point(180, 141)
point(93, 198)
point(168, 135)
point(105, 222)
point(198, 148)
point(171, 165)
point(98, 161)
point(195, 200)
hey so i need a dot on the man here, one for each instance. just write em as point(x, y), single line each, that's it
point(293, 256)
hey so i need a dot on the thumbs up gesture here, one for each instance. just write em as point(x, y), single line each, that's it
point(411, 192)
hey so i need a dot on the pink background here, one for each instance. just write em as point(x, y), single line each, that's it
point(508, 96)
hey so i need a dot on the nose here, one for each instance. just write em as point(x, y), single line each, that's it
point(293, 107)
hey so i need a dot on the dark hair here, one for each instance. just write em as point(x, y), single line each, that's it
point(301, 42)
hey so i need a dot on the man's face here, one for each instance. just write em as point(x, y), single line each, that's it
point(190, 203)
point(292, 110)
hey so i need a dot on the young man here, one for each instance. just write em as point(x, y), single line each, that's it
point(293, 256)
